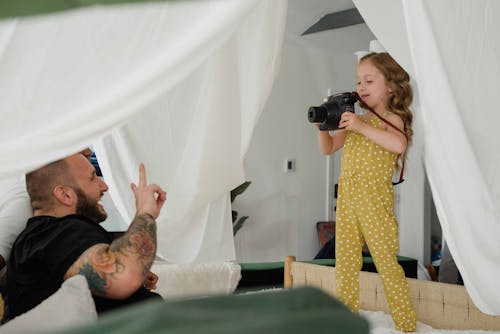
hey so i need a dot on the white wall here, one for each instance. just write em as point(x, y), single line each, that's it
point(284, 208)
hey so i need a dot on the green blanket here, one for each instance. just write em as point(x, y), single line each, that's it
point(302, 310)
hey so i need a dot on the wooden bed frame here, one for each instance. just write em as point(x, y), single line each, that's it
point(440, 305)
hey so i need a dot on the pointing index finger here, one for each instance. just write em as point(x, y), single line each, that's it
point(142, 175)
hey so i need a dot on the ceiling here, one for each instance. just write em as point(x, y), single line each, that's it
point(303, 14)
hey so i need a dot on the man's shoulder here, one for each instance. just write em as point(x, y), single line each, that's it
point(48, 234)
point(48, 225)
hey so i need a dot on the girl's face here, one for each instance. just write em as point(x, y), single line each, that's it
point(371, 85)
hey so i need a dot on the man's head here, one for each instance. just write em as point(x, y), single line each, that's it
point(67, 186)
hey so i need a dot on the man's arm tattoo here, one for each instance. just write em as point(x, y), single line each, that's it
point(103, 264)
point(96, 282)
point(98, 266)
point(139, 241)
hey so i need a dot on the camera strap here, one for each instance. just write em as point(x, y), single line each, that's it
point(404, 154)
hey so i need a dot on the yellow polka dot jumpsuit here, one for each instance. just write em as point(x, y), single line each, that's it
point(365, 213)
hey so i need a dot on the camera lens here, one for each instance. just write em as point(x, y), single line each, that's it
point(316, 114)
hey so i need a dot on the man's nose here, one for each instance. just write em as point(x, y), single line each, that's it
point(104, 186)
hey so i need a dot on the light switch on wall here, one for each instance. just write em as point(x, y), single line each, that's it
point(289, 166)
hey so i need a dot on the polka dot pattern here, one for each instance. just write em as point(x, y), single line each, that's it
point(365, 213)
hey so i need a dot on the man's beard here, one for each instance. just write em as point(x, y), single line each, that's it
point(89, 208)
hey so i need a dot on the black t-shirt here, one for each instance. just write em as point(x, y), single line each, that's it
point(43, 253)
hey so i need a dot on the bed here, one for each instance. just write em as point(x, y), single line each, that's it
point(258, 275)
point(192, 306)
point(440, 305)
point(303, 310)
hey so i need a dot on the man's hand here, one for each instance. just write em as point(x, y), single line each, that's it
point(150, 281)
point(149, 198)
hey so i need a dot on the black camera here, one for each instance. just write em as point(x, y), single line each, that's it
point(329, 113)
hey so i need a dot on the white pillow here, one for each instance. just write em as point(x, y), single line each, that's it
point(69, 306)
point(177, 281)
point(15, 209)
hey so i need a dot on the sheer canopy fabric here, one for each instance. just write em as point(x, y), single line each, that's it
point(176, 85)
point(452, 50)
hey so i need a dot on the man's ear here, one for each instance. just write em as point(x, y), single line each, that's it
point(64, 195)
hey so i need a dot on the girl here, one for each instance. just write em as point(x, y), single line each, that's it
point(365, 207)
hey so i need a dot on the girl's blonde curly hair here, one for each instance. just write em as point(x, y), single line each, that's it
point(398, 81)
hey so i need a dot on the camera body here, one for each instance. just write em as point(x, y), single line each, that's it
point(328, 114)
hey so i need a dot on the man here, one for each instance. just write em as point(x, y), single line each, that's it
point(15, 210)
point(64, 239)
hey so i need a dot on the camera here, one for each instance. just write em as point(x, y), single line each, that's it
point(328, 114)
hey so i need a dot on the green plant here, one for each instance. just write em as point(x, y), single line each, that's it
point(238, 223)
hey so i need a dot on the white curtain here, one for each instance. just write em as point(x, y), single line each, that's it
point(178, 86)
point(452, 49)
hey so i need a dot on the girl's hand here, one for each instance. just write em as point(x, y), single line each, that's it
point(351, 122)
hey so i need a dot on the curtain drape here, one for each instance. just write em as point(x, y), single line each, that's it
point(178, 86)
point(452, 49)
